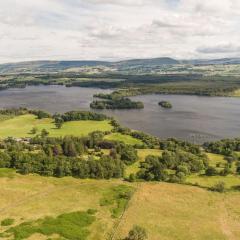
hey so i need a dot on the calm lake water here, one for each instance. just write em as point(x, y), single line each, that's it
point(193, 118)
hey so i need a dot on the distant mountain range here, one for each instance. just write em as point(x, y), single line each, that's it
point(58, 66)
point(212, 61)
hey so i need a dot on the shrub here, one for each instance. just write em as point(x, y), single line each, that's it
point(7, 222)
point(137, 233)
point(219, 187)
point(211, 171)
point(132, 177)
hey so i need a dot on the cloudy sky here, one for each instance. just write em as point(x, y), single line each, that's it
point(118, 29)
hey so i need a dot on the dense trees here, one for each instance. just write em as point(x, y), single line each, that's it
point(225, 147)
point(59, 157)
point(80, 115)
point(66, 156)
point(173, 144)
point(115, 100)
point(121, 103)
point(172, 166)
point(40, 114)
point(128, 153)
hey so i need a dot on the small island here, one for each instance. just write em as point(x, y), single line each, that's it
point(115, 100)
point(121, 103)
point(165, 104)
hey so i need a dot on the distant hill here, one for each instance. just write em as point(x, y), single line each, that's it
point(149, 62)
point(212, 61)
point(59, 66)
point(46, 66)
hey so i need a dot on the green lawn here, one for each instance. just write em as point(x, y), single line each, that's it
point(21, 126)
point(123, 138)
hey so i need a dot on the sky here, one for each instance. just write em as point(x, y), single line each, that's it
point(118, 29)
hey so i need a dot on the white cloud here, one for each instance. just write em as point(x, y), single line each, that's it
point(118, 29)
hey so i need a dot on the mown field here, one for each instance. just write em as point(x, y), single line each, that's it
point(21, 126)
point(167, 211)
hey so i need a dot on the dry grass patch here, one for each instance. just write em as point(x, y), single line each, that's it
point(171, 211)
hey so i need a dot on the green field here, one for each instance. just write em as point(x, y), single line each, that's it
point(167, 211)
point(123, 138)
point(216, 159)
point(231, 181)
point(21, 126)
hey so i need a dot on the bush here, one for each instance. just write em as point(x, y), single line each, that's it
point(211, 171)
point(7, 222)
point(137, 233)
point(219, 187)
point(132, 177)
point(226, 171)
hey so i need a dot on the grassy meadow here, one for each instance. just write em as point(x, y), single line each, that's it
point(21, 126)
point(172, 211)
point(47, 203)
point(123, 138)
point(231, 181)
point(32, 198)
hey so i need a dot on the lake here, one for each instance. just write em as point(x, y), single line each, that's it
point(192, 118)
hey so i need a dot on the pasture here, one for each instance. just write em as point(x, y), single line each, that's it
point(167, 211)
point(127, 139)
point(21, 126)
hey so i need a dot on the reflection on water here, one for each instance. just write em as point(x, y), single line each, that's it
point(193, 118)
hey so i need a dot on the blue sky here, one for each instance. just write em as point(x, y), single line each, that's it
point(118, 29)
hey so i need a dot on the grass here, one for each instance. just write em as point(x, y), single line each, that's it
point(231, 181)
point(123, 138)
point(21, 126)
point(7, 172)
point(117, 198)
point(7, 222)
point(32, 198)
point(142, 154)
point(236, 93)
point(72, 226)
point(215, 159)
point(52, 208)
point(172, 211)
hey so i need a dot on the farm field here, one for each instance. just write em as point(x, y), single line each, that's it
point(159, 207)
point(21, 126)
point(29, 198)
point(172, 211)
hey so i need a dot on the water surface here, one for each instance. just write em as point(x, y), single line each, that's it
point(193, 118)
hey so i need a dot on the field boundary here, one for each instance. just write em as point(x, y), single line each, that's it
point(116, 226)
